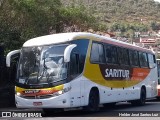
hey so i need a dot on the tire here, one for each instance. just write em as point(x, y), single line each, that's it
point(93, 103)
point(142, 99)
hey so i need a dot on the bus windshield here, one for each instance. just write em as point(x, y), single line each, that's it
point(42, 65)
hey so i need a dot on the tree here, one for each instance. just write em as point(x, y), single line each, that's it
point(25, 19)
point(155, 26)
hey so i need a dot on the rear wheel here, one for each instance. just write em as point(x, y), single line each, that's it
point(142, 99)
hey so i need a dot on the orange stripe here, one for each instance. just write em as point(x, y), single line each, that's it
point(42, 92)
point(139, 73)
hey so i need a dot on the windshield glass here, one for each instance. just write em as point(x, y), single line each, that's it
point(42, 65)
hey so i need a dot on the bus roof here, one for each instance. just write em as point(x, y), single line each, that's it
point(54, 38)
point(65, 37)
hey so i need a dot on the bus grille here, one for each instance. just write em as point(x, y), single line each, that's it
point(38, 97)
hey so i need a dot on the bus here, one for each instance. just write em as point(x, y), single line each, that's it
point(82, 70)
point(158, 69)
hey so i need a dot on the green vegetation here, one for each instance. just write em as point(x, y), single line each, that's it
point(24, 19)
point(123, 15)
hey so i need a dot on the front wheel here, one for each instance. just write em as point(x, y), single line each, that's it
point(93, 104)
point(142, 99)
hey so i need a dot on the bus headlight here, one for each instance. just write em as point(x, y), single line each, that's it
point(62, 91)
point(18, 94)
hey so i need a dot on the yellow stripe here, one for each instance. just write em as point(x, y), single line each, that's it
point(60, 87)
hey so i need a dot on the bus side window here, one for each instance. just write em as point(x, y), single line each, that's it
point(151, 60)
point(74, 65)
point(133, 55)
point(123, 57)
point(111, 54)
point(120, 57)
point(143, 59)
point(97, 53)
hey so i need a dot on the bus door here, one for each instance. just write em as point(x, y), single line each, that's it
point(75, 81)
point(73, 58)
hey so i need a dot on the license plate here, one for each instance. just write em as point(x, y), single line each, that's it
point(37, 103)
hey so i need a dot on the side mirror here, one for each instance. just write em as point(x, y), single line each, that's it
point(10, 55)
point(67, 52)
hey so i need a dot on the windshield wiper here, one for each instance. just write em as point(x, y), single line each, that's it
point(45, 68)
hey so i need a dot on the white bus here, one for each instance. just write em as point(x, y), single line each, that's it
point(82, 70)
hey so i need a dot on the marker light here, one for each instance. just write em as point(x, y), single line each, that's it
point(62, 91)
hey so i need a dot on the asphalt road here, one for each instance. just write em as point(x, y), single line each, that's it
point(122, 110)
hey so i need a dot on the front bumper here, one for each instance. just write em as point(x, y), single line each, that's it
point(61, 101)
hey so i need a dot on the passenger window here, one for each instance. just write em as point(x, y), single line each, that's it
point(123, 56)
point(151, 60)
point(143, 59)
point(97, 53)
point(133, 56)
point(111, 54)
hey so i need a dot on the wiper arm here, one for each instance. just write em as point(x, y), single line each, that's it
point(27, 80)
point(45, 68)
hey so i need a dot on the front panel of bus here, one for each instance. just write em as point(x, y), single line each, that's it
point(43, 78)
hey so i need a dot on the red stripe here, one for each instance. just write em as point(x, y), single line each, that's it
point(42, 92)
